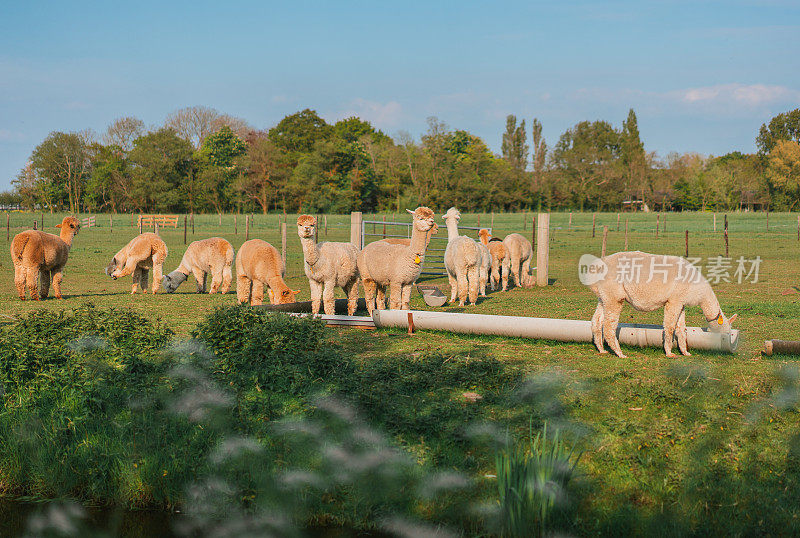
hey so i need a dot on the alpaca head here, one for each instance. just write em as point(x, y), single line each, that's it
point(452, 213)
point(71, 224)
point(722, 323)
point(171, 281)
point(112, 267)
point(423, 218)
point(485, 236)
point(306, 225)
point(285, 296)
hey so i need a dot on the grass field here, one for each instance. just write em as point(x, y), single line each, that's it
point(666, 436)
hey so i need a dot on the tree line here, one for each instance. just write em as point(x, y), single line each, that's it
point(201, 160)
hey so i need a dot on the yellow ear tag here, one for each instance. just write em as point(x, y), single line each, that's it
point(719, 320)
point(417, 260)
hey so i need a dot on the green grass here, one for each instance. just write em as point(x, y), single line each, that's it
point(673, 446)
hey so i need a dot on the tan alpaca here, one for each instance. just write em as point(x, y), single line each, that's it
point(462, 259)
point(215, 256)
point(648, 282)
point(259, 264)
point(517, 260)
point(497, 251)
point(381, 294)
point(328, 265)
point(143, 252)
point(397, 266)
point(40, 255)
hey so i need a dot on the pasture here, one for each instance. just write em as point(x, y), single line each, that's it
point(711, 439)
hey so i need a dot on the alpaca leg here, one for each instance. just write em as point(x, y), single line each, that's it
point(597, 328)
point(270, 295)
point(380, 297)
point(145, 278)
point(130, 267)
point(370, 289)
point(19, 280)
point(405, 297)
point(526, 273)
point(612, 312)
point(506, 268)
point(671, 314)
point(227, 276)
point(462, 287)
point(328, 300)
point(31, 278)
point(137, 277)
point(472, 277)
point(351, 290)
point(453, 287)
point(158, 274)
point(316, 295)
point(483, 277)
point(44, 283)
point(395, 296)
point(243, 285)
point(216, 281)
point(57, 276)
point(681, 331)
point(258, 294)
point(199, 279)
point(494, 278)
point(515, 271)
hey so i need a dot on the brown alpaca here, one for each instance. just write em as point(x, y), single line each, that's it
point(144, 252)
point(40, 254)
point(498, 251)
point(259, 264)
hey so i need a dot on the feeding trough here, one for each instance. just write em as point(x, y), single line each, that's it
point(431, 294)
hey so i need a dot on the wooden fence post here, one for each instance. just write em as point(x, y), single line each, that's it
point(715, 223)
point(326, 224)
point(383, 235)
point(235, 224)
point(220, 219)
point(185, 227)
point(533, 233)
point(569, 226)
point(492, 224)
point(658, 219)
point(42, 222)
point(543, 249)
point(594, 218)
point(34, 224)
point(687, 243)
point(247, 228)
point(767, 219)
point(155, 227)
point(798, 227)
point(726, 236)
point(524, 220)
point(617, 221)
point(192, 223)
point(479, 220)
point(355, 229)
point(140, 225)
point(8, 227)
point(283, 246)
point(626, 234)
point(605, 240)
point(111, 223)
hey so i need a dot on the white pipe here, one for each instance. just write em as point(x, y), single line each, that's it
point(562, 330)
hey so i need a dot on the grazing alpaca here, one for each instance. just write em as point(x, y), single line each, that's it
point(381, 296)
point(328, 265)
point(144, 252)
point(462, 259)
point(517, 260)
point(398, 266)
point(648, 282)
point(259, 264)
point(38, 254)
point(206, 256)
point(497, 251)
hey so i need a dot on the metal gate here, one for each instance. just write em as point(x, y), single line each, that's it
point(434, 255)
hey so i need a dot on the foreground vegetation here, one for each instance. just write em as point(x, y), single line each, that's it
point(116, 406)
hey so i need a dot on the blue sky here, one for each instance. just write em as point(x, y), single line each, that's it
point(702, 76)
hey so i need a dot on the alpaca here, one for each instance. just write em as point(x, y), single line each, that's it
point(39, 254)
point(648, 282)
point(143, 252)
point(517, 260)
point(259, 264)
point(462, 259)
point(486, 261)
point(381, 263)
point(214, 255)
point(381, 295)
point(328, 265)
point(497, 251)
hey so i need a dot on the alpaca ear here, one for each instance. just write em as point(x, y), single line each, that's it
point(410, 211)
point(733, 318)
point(58, 225)
point(295, 291)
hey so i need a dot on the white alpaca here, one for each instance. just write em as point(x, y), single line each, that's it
point(517, 260)
point(214, 255)
point(462, 259)
point(328, 265)
point(497, 251)
point(397, 266)
point(648, 282)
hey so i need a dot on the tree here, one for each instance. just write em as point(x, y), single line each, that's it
point(160, 162)
point(633, 155)
point(515, 146)
point(110, 181)
point(355, 129)
point(783, 169)
point(299, 132)
point(263, 173)
point(62, 160)
point(122, 132)
point(784, 126)
point(539, 154)
point(222, 147)
point(195, 123)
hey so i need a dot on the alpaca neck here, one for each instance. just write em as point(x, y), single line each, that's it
point(485, 240)
point(452, 229)
point(709, 304)
point(419, 241)
point(66, 236)
point(310, 250)
point(277, 284)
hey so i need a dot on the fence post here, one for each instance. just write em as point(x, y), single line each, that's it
point(8, 227)
point(626, 234)
point(140, 225)
point(185, 227)
point(533, 233)
point(326, 224)
point(155, 226)
point(617, 221)
point(42, 222)
point(235, 224)
point(34, 224)
point(687, 243)
point(767, 219)
point(383, 235)
point(355, 229)
point(192, 223)
point(798, 227)
point(543, 249)
point(658, 220)
point(111, 223)
point(569, 226)
point(594, 219)
point(492, 224)
point(283, 244)
point(479, 220)
point(605, 240)
point(220, 219)
point(247, 227)
point(726, 236)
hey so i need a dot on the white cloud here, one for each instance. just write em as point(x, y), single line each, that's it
point(752, 95)
point(381, 115)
